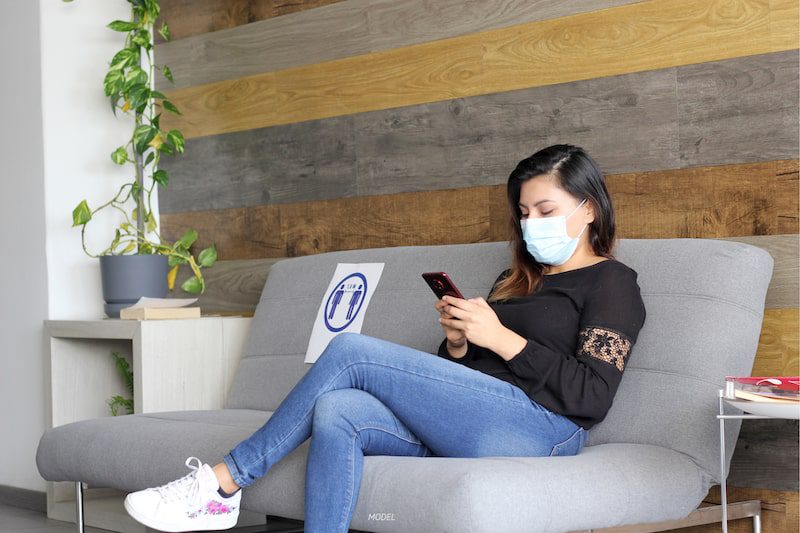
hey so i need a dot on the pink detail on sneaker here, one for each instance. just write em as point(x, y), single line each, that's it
point(213, 507)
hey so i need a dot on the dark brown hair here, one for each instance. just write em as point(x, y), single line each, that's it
point(578, 174)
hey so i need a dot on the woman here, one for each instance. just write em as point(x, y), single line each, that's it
point(535, 365)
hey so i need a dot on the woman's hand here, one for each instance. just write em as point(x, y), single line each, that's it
point(454, 336)
point(478, 323)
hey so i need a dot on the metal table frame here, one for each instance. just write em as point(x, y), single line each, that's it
point(722, 417)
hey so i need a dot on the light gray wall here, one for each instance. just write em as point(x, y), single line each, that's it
point(56, 134)
point(23, 268)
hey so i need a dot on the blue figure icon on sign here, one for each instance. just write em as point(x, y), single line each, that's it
point(356, 285)
point(337, 297)
point(353, 301)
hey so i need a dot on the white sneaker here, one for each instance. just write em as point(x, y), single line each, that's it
point(187, 504)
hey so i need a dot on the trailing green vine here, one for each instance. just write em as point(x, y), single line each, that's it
point(128, 86)
point(118, 401)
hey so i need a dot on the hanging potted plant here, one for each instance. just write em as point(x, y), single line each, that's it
point(135, 265)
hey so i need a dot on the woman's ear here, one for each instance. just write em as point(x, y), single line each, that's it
point(589, 211)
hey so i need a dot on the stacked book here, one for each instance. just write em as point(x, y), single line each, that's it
point(160, 308)
point(770, 389)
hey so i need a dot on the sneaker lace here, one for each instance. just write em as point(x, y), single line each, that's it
point(185, 488)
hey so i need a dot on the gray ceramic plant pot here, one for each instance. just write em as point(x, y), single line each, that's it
point(126, 278)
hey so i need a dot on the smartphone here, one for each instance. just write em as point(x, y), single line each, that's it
point(441, 284)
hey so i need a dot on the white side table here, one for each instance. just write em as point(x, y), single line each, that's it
point(785, 412)
point(178, 364)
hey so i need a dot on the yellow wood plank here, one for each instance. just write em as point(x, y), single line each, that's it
point(779, 343)
point(643, 36)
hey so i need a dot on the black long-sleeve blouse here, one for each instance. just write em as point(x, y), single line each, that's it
point(581, 326)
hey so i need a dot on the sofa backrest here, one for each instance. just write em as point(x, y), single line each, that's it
point(704, 300)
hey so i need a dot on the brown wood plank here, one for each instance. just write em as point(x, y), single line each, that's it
point(779, 510)
point(706, 202)
point(648, 35)
point(344, 29)
point(186, 18)
point(719, 201)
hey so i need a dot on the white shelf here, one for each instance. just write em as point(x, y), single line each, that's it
point(163, 354)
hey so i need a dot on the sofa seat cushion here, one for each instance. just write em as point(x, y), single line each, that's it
point(605, 485)
point(132, 452)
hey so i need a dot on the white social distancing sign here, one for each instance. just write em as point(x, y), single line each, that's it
point(344, 304)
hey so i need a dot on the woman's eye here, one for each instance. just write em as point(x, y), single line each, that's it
point(547, 213)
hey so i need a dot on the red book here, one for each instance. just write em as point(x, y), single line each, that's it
point(786, 383)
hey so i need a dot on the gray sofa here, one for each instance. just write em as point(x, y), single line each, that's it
point(653, 458)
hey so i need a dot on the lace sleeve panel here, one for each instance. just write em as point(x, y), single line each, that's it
point(604, 344)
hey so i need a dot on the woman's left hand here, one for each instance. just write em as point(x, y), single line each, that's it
point(476, 319)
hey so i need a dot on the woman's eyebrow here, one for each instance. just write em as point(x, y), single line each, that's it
point(539, 202)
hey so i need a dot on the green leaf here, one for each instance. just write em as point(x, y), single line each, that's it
point(142, 135)
point(161, 177)
point(151, 222)
point(164, 31)
point(192, 285)
point(169, 106)
point(120, 155)
point(175, 138)
point(81, 214)
point(168, 74)
point(138, 95)
point(159, 95)
point(113, 82)
point(175, 260)
point(150, 158)
point(156, 121)
point(142, 38)
point(135, 76)
point(188, 239)
point(121, 25)
point(117, 236)
point(208, 256)
point(124, 58)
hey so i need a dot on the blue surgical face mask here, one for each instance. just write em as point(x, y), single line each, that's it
point(547, 239)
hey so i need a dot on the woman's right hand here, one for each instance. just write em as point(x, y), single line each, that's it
point(455, 337)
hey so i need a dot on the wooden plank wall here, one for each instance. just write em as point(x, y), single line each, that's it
point(321, 125)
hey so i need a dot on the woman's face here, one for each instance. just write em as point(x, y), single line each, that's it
point(541, 197)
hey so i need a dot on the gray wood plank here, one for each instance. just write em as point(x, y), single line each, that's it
point(784, 288)
point(751, 99)
point(479, 140)
point(766, 455)
point(345, 29)
point(304, 161)
point(629, 123)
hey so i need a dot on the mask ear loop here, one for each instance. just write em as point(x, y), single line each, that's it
point(585, 225)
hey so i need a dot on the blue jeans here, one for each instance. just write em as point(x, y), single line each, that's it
point(368, 396)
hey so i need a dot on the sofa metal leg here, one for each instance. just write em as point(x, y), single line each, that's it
point(757, 522)
point(79, 505)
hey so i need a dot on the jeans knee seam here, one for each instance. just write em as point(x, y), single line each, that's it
point(390, 433)
point(346, 508)
point(507, 398)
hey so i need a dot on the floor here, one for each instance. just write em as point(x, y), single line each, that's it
point(18, 520)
